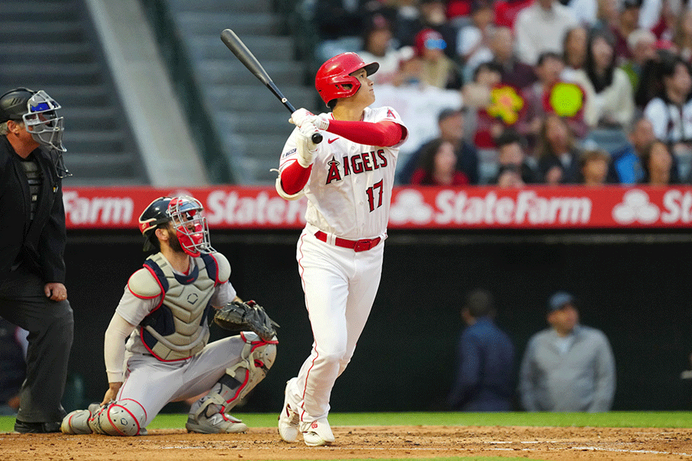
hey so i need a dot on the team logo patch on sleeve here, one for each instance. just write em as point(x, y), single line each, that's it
point(391, 114)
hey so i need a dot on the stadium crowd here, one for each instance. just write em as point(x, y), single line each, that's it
point(583, 91)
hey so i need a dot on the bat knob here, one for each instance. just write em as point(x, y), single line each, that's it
point(316, 138)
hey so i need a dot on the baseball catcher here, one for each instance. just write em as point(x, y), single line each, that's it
point(156, 347)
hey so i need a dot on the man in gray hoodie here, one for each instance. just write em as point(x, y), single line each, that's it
point(567, 367)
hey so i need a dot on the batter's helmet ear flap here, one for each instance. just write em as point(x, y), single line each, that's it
point(334, 79)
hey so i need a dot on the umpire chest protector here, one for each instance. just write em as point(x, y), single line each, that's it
point(177, 328)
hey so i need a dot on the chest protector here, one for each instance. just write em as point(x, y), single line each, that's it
point(175, 330)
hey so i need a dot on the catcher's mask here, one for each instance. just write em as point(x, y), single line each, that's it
point(187, 216)
point(38, 111)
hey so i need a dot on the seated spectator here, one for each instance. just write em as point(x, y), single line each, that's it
point(477, 95)
point(574, 50)
point(657, 162)
point(627, 21)
point(593, 166)
point(541, 27)
point(451, 129)
point(609, 94)
point(379, 46)
point(584, 11)
point(432, 15)
point(558, 155)
point(473, 40)
point(671, 112)
point(434, 67)
point(512, 71)
point(626, 167)
point(485, 360)
point(513, 168)
point(506, 11)
point(568, 366)
point(683, 35)
point(437, 166)
point(339, 24)
point(642, 46)
point(549, 70)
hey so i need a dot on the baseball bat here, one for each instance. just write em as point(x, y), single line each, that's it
point(244, 55)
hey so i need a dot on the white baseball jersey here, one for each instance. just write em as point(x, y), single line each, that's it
point(350, 187)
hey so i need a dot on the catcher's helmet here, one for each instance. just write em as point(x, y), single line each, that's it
point(186, 215)
point(334, 79)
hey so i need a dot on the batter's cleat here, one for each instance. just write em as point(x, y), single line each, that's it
point(288, 423)
point(317, 433)
point(219, 423)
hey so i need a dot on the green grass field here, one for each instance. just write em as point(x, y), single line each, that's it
point(674, 419)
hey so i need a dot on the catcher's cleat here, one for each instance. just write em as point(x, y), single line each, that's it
point(288, 423)
point(219, 423)
point(317, 433)
point(76, 422)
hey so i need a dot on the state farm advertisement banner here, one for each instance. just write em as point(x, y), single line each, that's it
point(538, 207)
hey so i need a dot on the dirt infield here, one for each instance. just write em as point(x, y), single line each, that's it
point(564, 444)
point(620, 444)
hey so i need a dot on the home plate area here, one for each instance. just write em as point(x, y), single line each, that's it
point(360, 442)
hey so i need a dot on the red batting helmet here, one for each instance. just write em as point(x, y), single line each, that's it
point(334, 80)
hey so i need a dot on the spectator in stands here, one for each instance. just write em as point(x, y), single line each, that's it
point(473, 40)
point(609, 93)
point(339, 24)
point(642, 46)
point(437, 166)
point(657, 162)
point(435, 68)
point(574, 50)
point(378, 46)
point(558, 154)
point(671, 112)
point(625, 166)
point(451, 124)
point(506, 11)
point(567, 367)
point(432, 15)
point(541, 27)
point(485, 360)
point(512, 71)
point(626, 23)
point(593, 166)
point(549, 70)
point(477, 95)
point(513, 168)
point(13, 345)
point(683, 35)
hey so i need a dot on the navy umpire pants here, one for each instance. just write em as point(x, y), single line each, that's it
point(51, 328)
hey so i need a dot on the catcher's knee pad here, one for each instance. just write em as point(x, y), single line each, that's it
point(122, 417)
point(256, 358)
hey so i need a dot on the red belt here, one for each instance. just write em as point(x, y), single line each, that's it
point(355, 245)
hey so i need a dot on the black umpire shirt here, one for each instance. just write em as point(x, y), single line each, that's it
point(39, 244)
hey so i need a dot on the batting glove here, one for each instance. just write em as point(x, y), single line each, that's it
point(305, 147)
point(299, 116)
point(321, 122)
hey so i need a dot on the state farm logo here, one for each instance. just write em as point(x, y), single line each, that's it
point(635, 207)
point(410, 207)
point(453, 207)
point(97, 210)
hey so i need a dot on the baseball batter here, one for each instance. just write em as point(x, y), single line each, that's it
point(155, 347)
point(348, 181)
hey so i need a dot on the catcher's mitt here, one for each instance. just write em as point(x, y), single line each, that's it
point(236, 316)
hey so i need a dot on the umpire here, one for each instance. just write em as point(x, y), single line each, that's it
point(32, 270)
